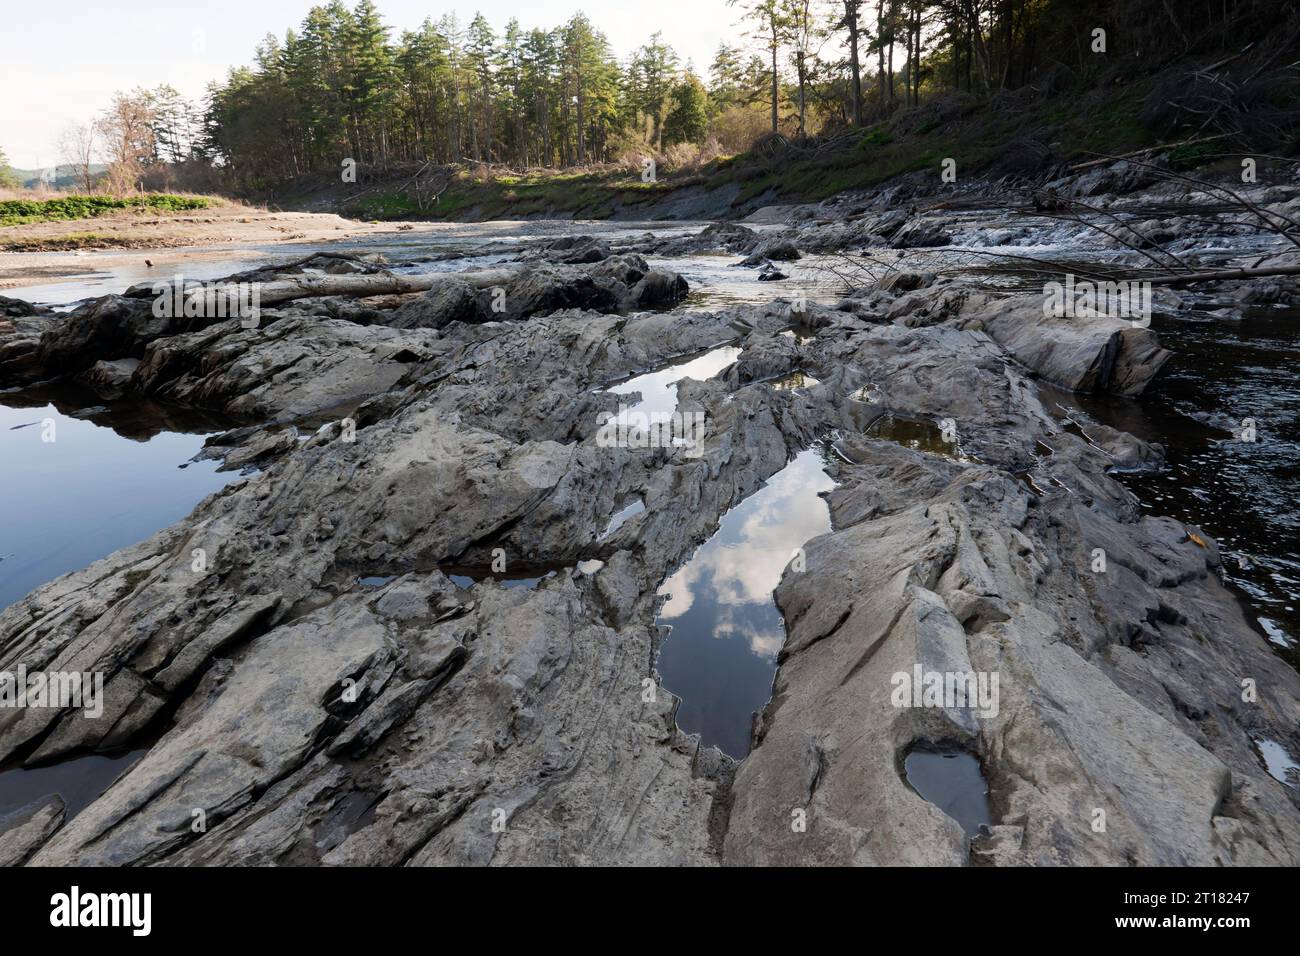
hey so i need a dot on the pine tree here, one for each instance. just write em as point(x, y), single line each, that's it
point(772, 29)
point(653, 69)
point(481, 63)
point(725, 77)
point(369, 80)
point(688, 121)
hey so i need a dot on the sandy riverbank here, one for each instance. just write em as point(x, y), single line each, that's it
point(167, 241)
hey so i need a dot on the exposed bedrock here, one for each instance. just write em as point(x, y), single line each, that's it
point(1092, 354)
point(1082, 354)
point(322, 691)
point(123, 327)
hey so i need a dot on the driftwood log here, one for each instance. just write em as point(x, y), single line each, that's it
point(307, 286)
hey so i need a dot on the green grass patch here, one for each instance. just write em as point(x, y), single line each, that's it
point(18, 212)
point(1193, 155)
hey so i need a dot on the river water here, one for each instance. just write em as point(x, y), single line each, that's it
point(1241, 492)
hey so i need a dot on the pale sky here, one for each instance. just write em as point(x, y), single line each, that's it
point(60, 62)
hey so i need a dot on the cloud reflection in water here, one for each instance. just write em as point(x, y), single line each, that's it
point(726, 630)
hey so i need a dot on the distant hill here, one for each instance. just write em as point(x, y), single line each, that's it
point(59, 177)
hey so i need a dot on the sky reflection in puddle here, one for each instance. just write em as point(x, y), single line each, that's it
point(720, 657)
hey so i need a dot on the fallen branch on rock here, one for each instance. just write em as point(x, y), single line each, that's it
point(1105, 160)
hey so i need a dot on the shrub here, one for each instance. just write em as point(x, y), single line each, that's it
point(15, 212)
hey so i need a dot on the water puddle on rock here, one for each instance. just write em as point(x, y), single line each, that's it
point(465, 581)
point(951, 779)
point(79, 781)
point(622, 516)
point(73, 490)
point(1281, 767)
point(918, 434)
point(720, 655)
point(793, 382)
point(659, 389)
point(519, 576)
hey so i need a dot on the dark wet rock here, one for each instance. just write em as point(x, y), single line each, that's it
point(616, 283)
point(111, 327)
point(657, 289)
point(16, 308)
point(573, 250)
point(296, 366)
point(110, 377)
point(904, 281)
point(452, 302)
point(730, 234)
point(909, 299)
point(20, 340)
point(920, 233)
point(262, 446)
point(915, 309)
point(96, 339)
point(775, 250)
point(627, 268)
point(716, 237)
point(539, 291)
point(1117, 178)
point(764, 358)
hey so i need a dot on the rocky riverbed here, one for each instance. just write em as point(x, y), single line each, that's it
point(424, 624)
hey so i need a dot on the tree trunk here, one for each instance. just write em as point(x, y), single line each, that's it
point(774, 79)
point(880, 51)
point(891, 73)
point(803, 100)
point(851, 17)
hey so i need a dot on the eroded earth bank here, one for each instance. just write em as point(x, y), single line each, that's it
point(348, 679)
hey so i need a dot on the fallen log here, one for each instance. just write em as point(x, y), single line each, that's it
point(363, 286)
point(1221, 274)
point(302, 287)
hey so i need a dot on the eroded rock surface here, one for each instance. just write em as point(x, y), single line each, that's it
point(324, 692)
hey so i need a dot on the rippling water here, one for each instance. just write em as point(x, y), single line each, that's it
point(1244, 493)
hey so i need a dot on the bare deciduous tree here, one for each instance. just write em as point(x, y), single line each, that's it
point(77, 145)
